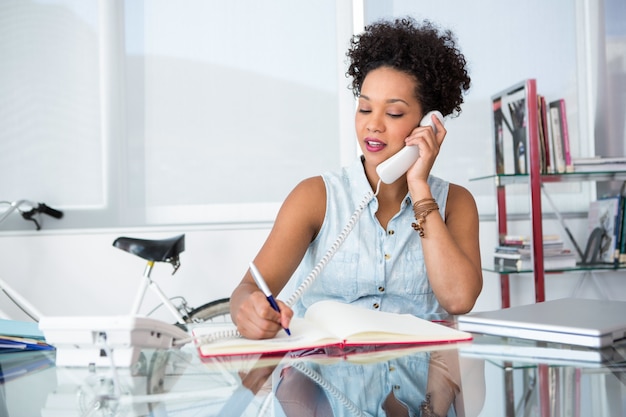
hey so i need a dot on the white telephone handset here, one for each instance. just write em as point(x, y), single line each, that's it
point(391, 169)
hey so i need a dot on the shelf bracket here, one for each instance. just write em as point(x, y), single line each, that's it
point(562, 223)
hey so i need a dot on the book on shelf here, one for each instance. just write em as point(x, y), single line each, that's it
point(546, 155)
point(621, 241)
point(515, 253)
point(510, 110)
point(548, 246)
point(563, 260)
point(599, 164)
point(526, 241)
point(526, 253)
point(332, 324)
point(560, 135)
point(498, 136)
point(604, 229)
point(556, 140)
point(619, 225)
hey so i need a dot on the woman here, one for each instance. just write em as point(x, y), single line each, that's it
point(415, 247)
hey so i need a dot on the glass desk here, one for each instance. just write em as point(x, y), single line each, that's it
point(468, 379)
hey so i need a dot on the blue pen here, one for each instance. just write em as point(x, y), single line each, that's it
point(260, 282)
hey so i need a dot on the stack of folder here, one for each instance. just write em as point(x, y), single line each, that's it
point(19, 336)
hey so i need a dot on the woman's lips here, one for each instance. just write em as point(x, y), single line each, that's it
point(373, 145)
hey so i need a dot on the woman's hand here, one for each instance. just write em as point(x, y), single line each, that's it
point(256, 319)
point(429, 145)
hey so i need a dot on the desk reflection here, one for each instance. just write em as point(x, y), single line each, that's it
point(365, 381)
point(362, 382)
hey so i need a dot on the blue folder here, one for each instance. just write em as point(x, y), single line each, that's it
point(18, 335)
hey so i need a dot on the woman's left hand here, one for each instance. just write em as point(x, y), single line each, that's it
point(429, 144)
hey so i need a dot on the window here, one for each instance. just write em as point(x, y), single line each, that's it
point(156, 112)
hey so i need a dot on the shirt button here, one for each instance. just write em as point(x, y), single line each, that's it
point(376, 306)
point(381, 289)
point(387, 256)
point(392, 368)
point(391, 232)
point(396, 387)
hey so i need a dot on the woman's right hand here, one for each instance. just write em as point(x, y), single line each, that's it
point(256, 319)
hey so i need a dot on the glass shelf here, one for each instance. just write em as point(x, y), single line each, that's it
point(506, 179)
point(578, 268)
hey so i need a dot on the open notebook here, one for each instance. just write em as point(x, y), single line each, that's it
point(573, 321)
point(329, 323)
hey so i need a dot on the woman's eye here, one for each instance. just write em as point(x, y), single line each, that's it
point(395, 115)
point(364, 111)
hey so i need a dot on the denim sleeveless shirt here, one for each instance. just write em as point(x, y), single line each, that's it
point(374, 268)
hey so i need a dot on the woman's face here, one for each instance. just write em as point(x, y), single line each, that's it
point(387, 113)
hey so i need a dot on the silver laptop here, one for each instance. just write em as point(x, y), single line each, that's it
point(581, 322)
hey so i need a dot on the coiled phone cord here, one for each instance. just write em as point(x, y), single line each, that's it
point(330, 388)
point(333, 248)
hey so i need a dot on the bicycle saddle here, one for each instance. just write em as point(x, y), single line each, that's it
point(155, 250)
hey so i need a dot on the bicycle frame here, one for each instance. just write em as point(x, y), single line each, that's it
point(13, 206)
point(146, 283)
point(20, 301)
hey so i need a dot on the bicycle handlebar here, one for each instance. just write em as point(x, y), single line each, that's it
point(42, 208)
point(30, 214)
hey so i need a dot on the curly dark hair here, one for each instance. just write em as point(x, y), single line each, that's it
point(429, 55)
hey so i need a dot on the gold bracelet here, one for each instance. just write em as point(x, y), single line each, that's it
point(423, 201)
point(421, 209)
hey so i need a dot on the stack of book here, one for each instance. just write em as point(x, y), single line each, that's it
point(515, 254)
point(599, 164)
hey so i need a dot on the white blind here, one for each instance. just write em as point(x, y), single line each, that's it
point(159, 112)
point(50, 141)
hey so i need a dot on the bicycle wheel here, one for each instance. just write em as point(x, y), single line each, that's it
point(214, 311)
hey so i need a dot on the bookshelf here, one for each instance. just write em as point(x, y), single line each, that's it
point(500, 182)
point(534, 177)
